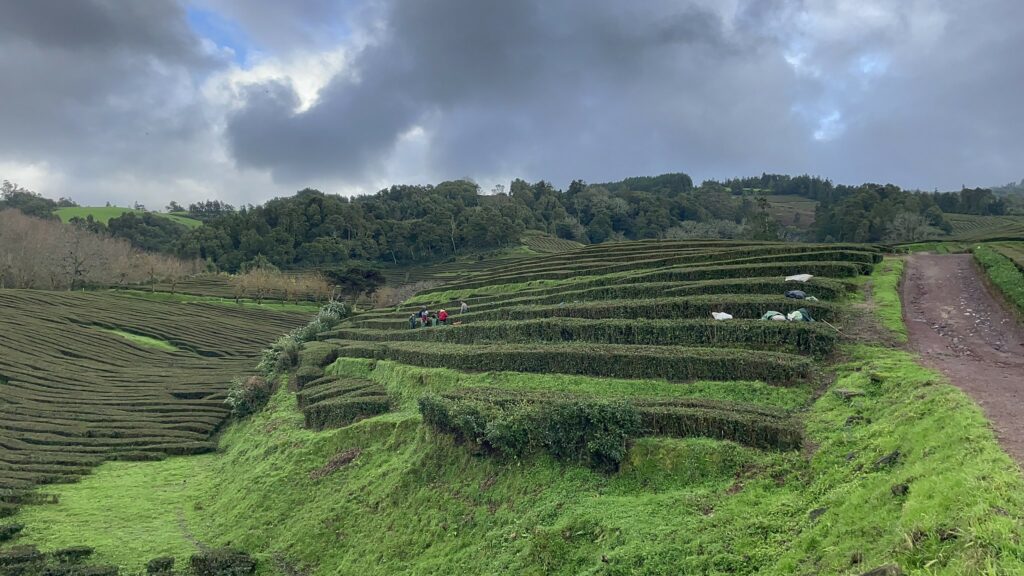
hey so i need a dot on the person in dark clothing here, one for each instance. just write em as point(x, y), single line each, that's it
point(413, 318)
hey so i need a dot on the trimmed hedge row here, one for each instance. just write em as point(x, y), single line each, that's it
point(588, 431)
point(338, 412)
point(673, 363)
point(341, 402)
point(821, 288)
point(740, 306)
point(800, 337)
point(1004, 273)
point(582, 428)
point(819, 268)
point(606, 253)
point(863, 263)
point(568, 269)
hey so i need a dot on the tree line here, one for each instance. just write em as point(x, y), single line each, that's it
point(408, 224)
point(48, 255)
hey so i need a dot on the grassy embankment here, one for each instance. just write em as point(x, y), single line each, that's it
point(413, 501)
point(105, 213)
point(1003, 272)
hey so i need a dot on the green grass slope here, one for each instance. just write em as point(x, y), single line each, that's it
point(105, 213)
point(901, 469)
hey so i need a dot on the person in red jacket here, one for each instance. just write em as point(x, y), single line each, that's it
point(442, 316)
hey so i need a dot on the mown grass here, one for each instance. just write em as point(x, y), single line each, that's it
point(144, 340)
point(105, 213)
point(885, 293)
point(1003, 273)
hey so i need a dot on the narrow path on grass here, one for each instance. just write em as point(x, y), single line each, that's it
point(959, 328)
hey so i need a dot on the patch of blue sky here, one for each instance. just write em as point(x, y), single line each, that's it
point(225, 33)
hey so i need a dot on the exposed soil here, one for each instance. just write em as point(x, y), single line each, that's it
point(959, 328)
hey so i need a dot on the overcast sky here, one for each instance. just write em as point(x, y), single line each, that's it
point(244, 100)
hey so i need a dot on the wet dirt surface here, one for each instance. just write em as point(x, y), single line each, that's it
point(960, 329)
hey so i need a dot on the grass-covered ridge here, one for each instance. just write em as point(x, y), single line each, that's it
point(105, 213)
point(143, 340)
point(1007, 276)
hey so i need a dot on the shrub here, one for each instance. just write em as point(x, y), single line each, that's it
point(9, 531)
point(306, 374)
point(593, 432)
point(160, 566)
point(72, 555)
point(19, 555)
point(337, 412)
point(222, 562)
point(284, 353)
point(573, 426)
point(247, 395)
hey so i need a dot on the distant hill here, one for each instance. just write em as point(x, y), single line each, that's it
point(105, 213)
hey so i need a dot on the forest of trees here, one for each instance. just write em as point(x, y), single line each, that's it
point(410, 224)
point(406, 224)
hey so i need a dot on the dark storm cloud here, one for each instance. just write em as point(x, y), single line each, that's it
point(921, 93)
point(95, 86)
point(545, 89)
point(541, 88)
point(949, 117)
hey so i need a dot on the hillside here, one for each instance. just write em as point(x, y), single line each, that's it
point(105, 213)
point(587, 417)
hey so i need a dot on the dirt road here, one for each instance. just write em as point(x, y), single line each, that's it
point(959, 328)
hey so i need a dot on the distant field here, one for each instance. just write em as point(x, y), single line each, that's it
point(105, 213)
point(792, 210)
point(547, 244)
point(971, 228)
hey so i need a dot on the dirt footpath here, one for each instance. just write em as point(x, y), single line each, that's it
point(959, 328)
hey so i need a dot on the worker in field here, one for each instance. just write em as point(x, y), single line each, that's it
point(442, 316)
point(463, 307)
point(424, 315)
point(413, 319)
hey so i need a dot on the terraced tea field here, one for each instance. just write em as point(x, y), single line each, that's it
point(1012, 250)
point(638, 310)
point(970, 228)
point(586, 415)
point(89, 377)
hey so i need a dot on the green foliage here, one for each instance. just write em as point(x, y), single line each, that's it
point(247, 395)
point(803, 337)
point(28, 202)
point(1003, 273)
point(669, 362)
point(221, 562)
point(284, 352)
point(591, 431)
point(744, 424)
point(160, 566)
point(354, 280)
point(9, 531)
point(147, 231)
point(72, 554)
